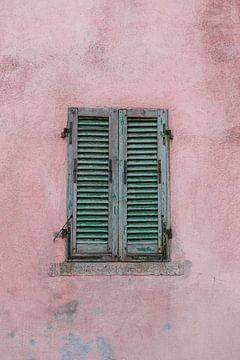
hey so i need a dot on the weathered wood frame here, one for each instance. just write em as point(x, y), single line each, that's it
point(117, 193)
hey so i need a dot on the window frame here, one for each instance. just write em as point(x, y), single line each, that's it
point(118, 254)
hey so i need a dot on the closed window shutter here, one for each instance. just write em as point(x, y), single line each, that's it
point(143, 184)
point(94, 180)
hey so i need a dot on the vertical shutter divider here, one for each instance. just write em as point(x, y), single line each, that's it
point(113, 182)
point(122, 184)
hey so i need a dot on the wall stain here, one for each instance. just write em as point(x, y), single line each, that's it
point(218, 27)
point(104, 348)
point(75, 348)
point(15, 73)
point(32, 342)
point(12, 334)
point(231, 135)
point(131, 283)
point(167, 326)
point(67, 312)
point(50, 327)
point(217, 30)
point(187, 267)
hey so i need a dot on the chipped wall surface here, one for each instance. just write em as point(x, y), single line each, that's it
point(182, 55)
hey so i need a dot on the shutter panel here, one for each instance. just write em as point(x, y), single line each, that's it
point(143, 166)
point(94, 183)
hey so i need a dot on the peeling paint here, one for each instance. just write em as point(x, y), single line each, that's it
point(75, 348)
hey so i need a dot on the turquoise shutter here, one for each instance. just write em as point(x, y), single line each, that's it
point(143, 192)
point(93, 182)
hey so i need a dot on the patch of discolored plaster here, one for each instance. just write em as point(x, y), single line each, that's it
point(187, 267)
point(217, 30)
point(104, 348)
point(31, 358)
point(15, 73)
point(167, 326)
point(67, 312)
point(131, 283)
point(231, 135)
point(50, 327)
point(99, 311)
point(32, 342)
point(12, 334)
point(75, 348)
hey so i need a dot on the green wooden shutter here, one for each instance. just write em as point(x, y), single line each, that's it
point(143, 169)
point(93, 175)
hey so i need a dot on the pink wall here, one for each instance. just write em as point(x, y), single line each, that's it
point(178, 54)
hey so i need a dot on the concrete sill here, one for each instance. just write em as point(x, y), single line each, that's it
point(116, 268)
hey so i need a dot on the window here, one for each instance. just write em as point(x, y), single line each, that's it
point(118, 185)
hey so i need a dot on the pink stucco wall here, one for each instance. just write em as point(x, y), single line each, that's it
point(178, 54)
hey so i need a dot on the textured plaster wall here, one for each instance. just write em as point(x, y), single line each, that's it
point(178, 54)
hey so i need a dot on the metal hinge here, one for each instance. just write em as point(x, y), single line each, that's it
point(67, 132)
point(167, 231)
point(168, 133)
point(167, 235)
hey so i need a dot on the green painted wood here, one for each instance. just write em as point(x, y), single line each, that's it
point(93, 196)
point(142, 192)
point(119, 216)
point(92, 139)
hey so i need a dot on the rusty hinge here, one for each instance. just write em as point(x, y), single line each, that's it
point(167, 231)
point(67, 131)
point(167, 133)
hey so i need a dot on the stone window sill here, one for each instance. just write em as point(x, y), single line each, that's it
point(74, 268)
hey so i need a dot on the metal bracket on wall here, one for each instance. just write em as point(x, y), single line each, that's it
point(167, 132)
point(65, 133)
point(64, 230)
